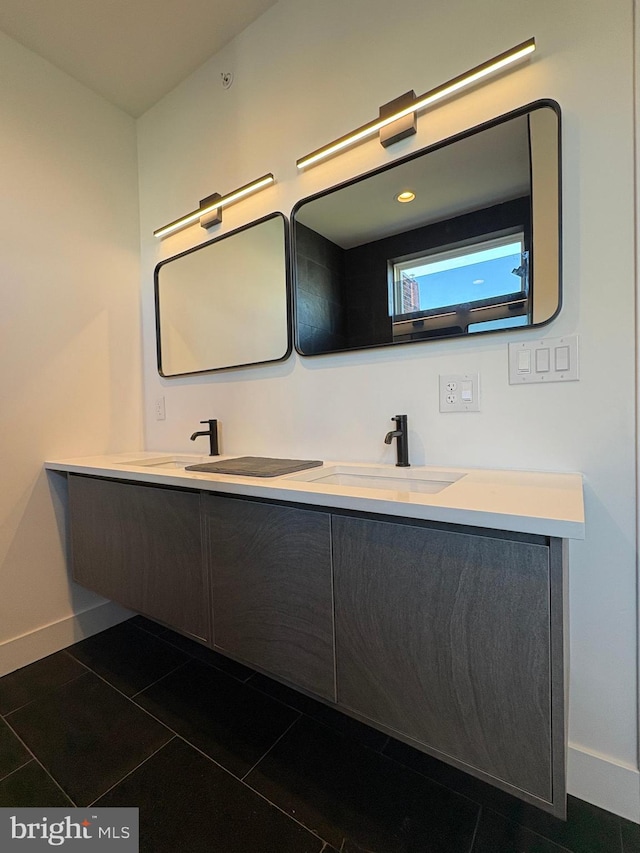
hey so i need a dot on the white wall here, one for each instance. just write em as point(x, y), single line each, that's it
point(69, 332)
point(307, 72)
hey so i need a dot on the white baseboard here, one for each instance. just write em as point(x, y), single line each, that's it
point(603, 782)
point(44, 641)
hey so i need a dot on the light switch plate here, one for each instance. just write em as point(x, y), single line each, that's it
point(460, 392)
point(159, 409)
point(546, 360)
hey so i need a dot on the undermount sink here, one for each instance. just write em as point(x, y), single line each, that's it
point(389, 478)
point(167, 461)
point(380, 477)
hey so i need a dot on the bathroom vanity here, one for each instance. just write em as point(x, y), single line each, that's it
point(436, 616)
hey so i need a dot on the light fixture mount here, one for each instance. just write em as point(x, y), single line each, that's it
point(215, 216)
point(401, 128)
point(211, 206)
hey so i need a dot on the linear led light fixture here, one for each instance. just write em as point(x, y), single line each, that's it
point(405, 108)
point(212, 204)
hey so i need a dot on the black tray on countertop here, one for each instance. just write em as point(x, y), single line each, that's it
point(255, 466)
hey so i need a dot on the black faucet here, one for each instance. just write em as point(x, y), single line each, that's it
point(212, 432)
point(402, 446)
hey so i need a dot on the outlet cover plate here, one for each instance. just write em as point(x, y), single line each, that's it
point(460, 392)
point(159, 409)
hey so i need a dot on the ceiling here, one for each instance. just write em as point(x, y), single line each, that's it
point(471, 173)
point(132, 52)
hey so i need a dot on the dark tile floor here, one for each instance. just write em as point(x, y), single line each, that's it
point(219, 758)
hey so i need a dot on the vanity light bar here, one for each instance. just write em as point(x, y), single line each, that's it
point(421, 102)
point(230, 198)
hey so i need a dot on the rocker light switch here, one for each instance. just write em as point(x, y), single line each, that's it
point(563, 360)
point(548, 360)
point(542, 360)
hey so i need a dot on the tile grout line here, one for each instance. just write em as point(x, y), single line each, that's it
point(253, 790)
point(317, 720)
point(153, 683)
point(273, 745)
point(242, 779)
point(149, 714)
point(62, 684)
point(560, 847)
point(192, 658)
point(283, 702)
point(28, 761)
point(209, 758)
point(384, 745)
point(137, 705)
point(142, 628)
point(322, 722)
point(192, 745)
point(475, 831)
point(37, 760)
point(300, 714)
point(130, 698)
point(481, 805)
point(175, 734)
point(124, 695)
point(435, 781)
point(144, 761)
point(168, 642)
point(246, 681)
point(168, 728)
point(278, 808)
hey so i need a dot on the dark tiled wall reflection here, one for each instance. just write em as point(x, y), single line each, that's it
point(319, 292)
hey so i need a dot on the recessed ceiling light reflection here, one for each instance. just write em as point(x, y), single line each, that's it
point(405, 196)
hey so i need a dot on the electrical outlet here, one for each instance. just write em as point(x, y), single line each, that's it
point(159, 409)
point(460, 392)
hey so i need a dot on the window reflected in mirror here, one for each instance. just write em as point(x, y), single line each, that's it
point(459, 239)
point(489, 277)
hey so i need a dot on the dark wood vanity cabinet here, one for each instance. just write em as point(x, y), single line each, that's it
point(453, 640)
point(141, 546)
point(449, 638)
point(272, 589)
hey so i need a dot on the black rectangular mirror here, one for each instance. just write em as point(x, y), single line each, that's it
point(460, 238)
point(225, 303)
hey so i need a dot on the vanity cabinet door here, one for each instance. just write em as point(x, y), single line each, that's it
point(142, 547)
point(271, 589)
point(445, 638)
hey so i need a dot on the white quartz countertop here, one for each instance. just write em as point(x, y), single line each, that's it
point(536, 502)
